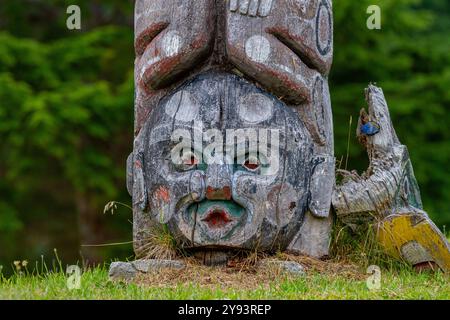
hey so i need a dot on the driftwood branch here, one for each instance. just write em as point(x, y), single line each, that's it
point(389, 182)
point(387, 194)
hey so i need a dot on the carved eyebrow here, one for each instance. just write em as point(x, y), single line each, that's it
point(147, 36)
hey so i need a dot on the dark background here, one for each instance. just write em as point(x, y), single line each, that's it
point(66, 114)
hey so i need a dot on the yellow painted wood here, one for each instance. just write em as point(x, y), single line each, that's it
point(398, 230)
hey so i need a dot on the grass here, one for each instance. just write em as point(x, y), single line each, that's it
point(95, 285)
point(342, 277)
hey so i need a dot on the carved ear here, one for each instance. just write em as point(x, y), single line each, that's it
point(322, 185)
point(130, 174)
point(135, 175)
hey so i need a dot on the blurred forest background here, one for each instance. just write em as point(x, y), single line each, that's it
point(66, 114)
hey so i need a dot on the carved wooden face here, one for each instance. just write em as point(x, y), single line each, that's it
point(226, 167)
point(250, 198)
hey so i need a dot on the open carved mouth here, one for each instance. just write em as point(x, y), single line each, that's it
point(217, 218)
point(214, 221)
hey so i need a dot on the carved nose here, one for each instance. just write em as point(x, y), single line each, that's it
point(218, 182)
point(218, 194)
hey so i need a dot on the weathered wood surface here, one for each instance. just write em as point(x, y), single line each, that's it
point(264, 208)
point(283, 47)
point(387, 194)
point(205, 65)
point(389, 180)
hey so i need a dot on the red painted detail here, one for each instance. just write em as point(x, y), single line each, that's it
point(138, 165)
point(159, 70)
point(158, 75)
point(284, 85)
point(192, 161)
point(251, 166)
point(162, 194)
point(217, 219)
point(314, 61)
point(147, 36)
point(218, 194)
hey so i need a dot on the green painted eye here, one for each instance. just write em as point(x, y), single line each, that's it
point(191, 161)
point(252, 164)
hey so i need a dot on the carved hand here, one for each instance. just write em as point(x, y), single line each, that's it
point(286, 48)
point(252, 8)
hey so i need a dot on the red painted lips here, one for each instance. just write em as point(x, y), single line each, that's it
point(217, 219)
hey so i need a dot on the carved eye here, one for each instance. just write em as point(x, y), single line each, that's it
point(189, 161)
point(252, 163)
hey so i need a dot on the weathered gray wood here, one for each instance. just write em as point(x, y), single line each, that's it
point(265, 209)
point(387, 195)
point(257, 65)
point(286, 48)
point(314, 237)
point(389, 182)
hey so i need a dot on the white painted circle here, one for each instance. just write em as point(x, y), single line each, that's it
point(171, 43)
point(255, 108)
point(258, 48)
point(182, 106)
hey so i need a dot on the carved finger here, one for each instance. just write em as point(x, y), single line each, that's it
point(253, 8)
point(243, 6)
point(234, 5)
point(265, 8)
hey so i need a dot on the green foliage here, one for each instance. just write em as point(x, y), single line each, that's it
point(66, 108)
point(66, 116)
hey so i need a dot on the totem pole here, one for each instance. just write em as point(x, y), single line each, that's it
point(234, 136)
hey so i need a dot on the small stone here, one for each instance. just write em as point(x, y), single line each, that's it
point(289, 267)
point(146, 266)
point(122, 271)
point(293, 268)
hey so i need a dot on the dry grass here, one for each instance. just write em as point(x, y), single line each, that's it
point(246, 273)
point(159, 245)
point(351, 254)
point(350, 257)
